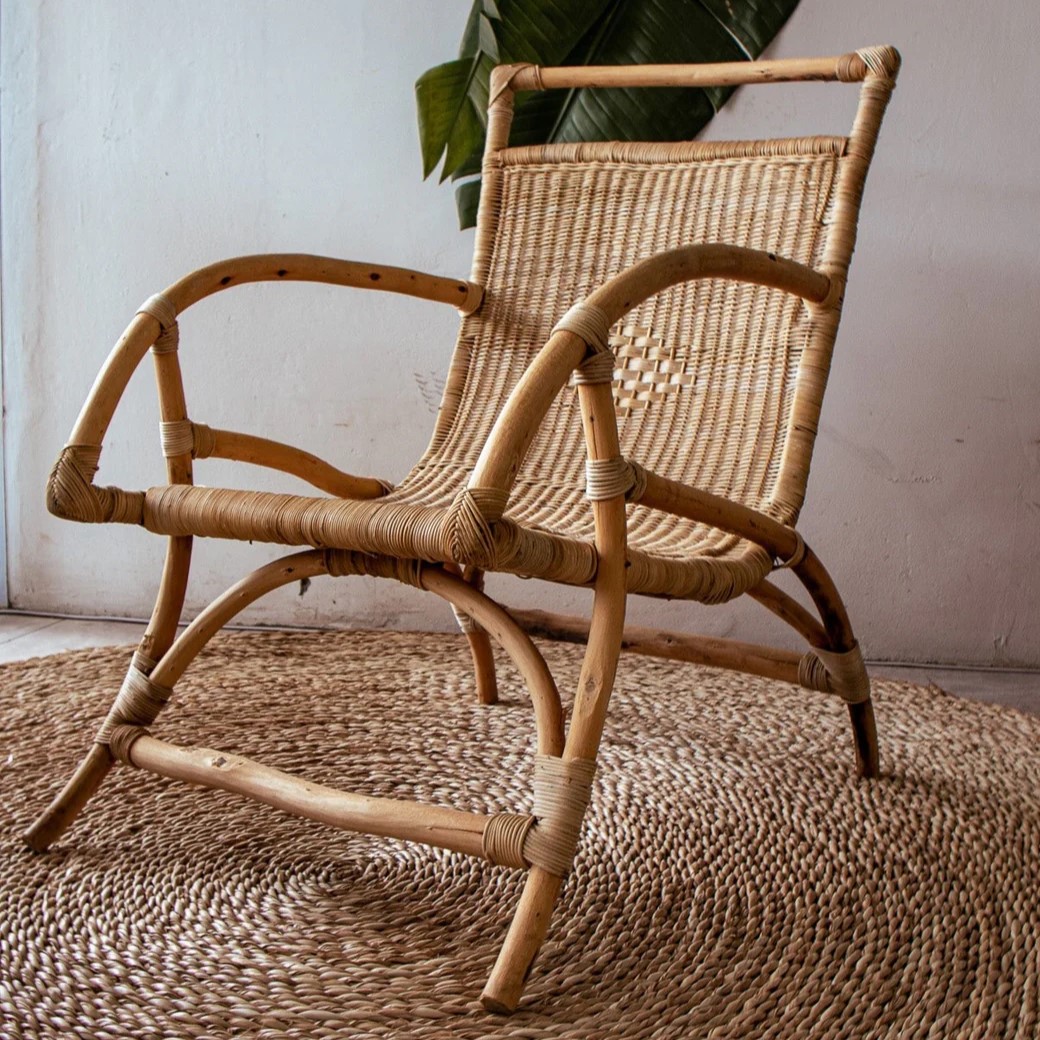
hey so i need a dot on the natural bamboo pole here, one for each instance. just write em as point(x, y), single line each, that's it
point(97, 412)
point(259, 451)
point(303, 267)
point(670, 496)
point(84, 783)
point(530, 923)
point(790, 611)
point(410, 821)
point(273, 575)
point(483, 666)
point(731, 263)
point(709, 74)
point(68, 803)
point(497, 622)
point(158, 636)
point(671, 646)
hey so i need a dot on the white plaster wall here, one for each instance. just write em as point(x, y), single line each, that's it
point(143, 140)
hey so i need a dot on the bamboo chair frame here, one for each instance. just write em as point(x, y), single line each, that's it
point(543, 842)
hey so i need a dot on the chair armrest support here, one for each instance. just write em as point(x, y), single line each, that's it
point(782, 542)
point(523, 413)
point(70, 491)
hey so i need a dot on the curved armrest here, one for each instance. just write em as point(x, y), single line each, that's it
point(71, 492)
point(523, 413)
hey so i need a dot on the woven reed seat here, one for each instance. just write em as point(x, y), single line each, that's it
point(683, 560)
point(631, 406)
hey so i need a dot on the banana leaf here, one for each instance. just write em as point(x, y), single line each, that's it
point(452, 98)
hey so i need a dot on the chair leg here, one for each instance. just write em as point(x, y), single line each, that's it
point(531, 920)
point(841, 639)
point(864, 734)
point(67, 805)
point(176, 656)
point(162, 628)
point(523, 941)
point(479, 641)
point(483, 665)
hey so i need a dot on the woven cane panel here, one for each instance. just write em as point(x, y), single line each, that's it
point(707, 370)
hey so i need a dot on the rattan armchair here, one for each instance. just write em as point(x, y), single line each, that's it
point(631, 407)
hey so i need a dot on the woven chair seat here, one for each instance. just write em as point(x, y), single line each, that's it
point(668, 556)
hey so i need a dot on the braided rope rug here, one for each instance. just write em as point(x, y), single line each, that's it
point(735, 879)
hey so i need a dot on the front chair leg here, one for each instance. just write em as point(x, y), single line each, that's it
point(523, 941)
point(564, 785)
point(162, 628)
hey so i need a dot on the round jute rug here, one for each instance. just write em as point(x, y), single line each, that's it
point(735, 879)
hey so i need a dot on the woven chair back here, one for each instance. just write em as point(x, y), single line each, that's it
point(718, 383)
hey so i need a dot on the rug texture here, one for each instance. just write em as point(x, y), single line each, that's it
point(735, 879)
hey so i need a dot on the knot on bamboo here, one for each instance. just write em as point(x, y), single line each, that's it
point(341, 563)
point(468, 535)
point(839, 672)
point(184, 437)
point(589, 323)
point(138, 705)
point(71, 493)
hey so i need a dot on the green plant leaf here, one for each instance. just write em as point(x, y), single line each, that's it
point(467, 201)
point(441, 93)
point(584, 32)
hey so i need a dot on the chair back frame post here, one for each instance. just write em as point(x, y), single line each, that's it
point(875, 68)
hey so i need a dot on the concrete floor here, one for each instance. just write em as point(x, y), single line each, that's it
point(23, 636)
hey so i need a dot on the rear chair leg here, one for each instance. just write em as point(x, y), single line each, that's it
point(864, 734)
point(479, 641)
point(840, 668)
point(483, 665)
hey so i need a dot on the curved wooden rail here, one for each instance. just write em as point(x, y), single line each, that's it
point(523, 413)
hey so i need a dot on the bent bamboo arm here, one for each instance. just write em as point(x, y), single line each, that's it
point(527, 406)
point(71, 491)
point(97, 412)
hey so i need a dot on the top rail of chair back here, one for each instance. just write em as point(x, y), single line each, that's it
point(854, 67)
